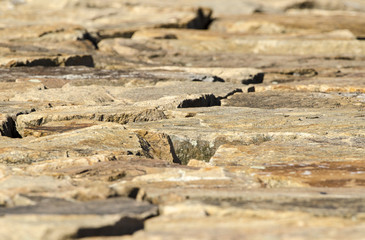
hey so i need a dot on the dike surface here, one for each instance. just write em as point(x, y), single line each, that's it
point(188, 119)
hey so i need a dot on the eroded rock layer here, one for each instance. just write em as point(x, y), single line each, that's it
point(182, 120)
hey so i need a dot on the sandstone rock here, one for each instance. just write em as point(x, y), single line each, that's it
point(171, 89)
point(271, 46)
point(255, 126)
point(68, 219)
point(197, 163)
point(293, 99)
point(258, 154)
point(118, 114)
point(179, 175)
point(177, 34)
point(268, 24)
point(146, 108)
point(83, 142)
point(67, 94)
point(235, 75)
point(10, 89)
point(300, 225)
point(53, 33)
point(107, 107)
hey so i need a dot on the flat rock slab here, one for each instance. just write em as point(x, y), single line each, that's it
point(121, 114)
point(186, 119)
point(132, 104)
point(110, 19)
point(58, 219)
point(108, 168)
point(228, 194)
point(297, 97)
point(123, 206)
point(292, 25)
point(284, 225)
point(270, 46)
point(246, 126)
point(323, 174)
point(107, 137)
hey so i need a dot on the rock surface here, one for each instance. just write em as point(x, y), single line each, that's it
point(182, 120)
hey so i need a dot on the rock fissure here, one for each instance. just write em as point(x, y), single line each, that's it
point(8, 128)
point(125, 226)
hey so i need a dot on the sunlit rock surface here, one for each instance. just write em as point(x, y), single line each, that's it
point(182, 119)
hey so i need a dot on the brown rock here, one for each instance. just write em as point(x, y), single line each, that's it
point(100, 102)
point(83, 142)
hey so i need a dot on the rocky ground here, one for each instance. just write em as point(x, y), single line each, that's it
point(185, 119)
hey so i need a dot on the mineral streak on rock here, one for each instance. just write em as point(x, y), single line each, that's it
point(185, 119)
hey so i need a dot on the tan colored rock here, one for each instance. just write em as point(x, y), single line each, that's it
point(234, 75)
point(178, 34)
point(89, 95)
point(182, 175)
point(180, 89)
point(52, 33)
point(197, 163)
point(326, 88)
point(149, 104)
point(100, 102)
point(278, 226)
point(99, 139)
point(111, 45)
point(298, 96)
point(9, 90)
point(199, 136)
point(64, 163)
point(157, 145)
point(26, 124)
point(292, 25)
point(271, 46)
point(69, 219)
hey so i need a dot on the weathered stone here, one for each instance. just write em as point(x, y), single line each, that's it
point(271, 46)
point(10, 89)
point(122, 114)
point(63, 219)
point(108, 106)
point(245, 126)
point(180, 175)
point(53, 33)
point(308, 27)
point(272, 225)
point(235, 75)
point(294, 99)
point(82, 142)
point(67, 94)
point(265, 152)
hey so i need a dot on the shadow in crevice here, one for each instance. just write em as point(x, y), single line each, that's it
point(125, 226)
point(202, 20)
point(8, 128)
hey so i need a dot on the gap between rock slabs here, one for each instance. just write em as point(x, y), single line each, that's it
point(131, 213)
point(8, 128)
point(125, 226)
point(202, 21)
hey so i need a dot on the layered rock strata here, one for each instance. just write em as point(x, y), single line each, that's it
point(182, 120)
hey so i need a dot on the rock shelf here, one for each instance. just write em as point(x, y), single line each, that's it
point(182, 120)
